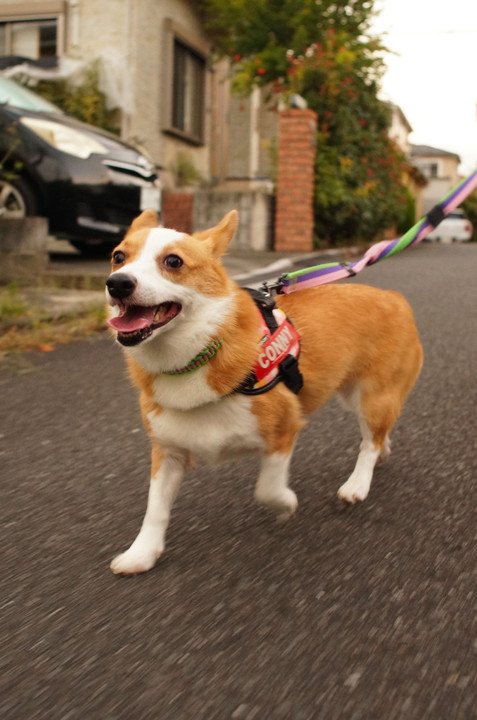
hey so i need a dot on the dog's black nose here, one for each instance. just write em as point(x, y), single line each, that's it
point(121, 285)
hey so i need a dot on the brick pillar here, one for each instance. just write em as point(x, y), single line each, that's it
point(295, 181)
point(178, 211)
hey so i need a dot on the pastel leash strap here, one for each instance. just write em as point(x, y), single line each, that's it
point(330, 272)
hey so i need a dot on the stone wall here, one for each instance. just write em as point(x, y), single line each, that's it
point(189, 212)
point(23, 255)
point(255, 210)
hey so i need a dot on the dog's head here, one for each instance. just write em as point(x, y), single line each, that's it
point(162, 279)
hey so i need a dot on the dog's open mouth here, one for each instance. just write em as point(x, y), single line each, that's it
point(135, 323)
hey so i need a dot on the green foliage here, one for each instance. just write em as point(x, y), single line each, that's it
point(12, 304)
point(185, 171)
point(256, 34)
point(409, 213)
point(358, 189)
point(470, 208)
point(84, 101)
point(324, 52)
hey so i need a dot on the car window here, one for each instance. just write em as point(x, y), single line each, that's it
point(20, 97)
point(456, 214)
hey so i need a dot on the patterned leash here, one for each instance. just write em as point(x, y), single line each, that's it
point(330, 272)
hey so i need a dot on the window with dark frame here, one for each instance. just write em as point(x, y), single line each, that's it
point(429, 169)
point(188, 88)
point(29, 38)
point(48, 42)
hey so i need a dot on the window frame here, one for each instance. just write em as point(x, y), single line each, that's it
point(197, 48)
point(17, 13)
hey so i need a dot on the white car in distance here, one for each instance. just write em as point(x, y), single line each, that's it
point(454, 228)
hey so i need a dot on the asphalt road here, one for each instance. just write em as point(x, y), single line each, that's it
point(362, 613)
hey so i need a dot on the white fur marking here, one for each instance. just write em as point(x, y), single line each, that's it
point(183, 392)
point(149, 544)
point(356, 488)
point(216, 432)
point(272, 485)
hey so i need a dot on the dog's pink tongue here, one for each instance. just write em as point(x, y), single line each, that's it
point(135, 318)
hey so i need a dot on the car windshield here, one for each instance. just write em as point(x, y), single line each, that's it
point(20, 97)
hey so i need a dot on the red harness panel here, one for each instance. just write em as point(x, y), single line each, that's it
point(284, 341)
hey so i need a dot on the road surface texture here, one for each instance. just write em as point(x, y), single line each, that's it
point(361, 613)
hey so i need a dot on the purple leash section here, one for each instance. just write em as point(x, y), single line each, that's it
point(330, 272)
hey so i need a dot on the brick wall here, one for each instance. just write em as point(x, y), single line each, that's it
point(294, 218)
point(178, 211)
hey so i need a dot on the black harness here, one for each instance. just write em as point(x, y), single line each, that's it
point(288, 370)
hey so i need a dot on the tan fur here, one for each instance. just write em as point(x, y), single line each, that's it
point(137, 234)
point(356, 334)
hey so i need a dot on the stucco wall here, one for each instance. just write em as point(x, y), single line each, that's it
point(255, 209)
point(129, 37)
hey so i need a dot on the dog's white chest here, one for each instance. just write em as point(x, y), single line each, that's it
point(184, 392)
point(216, 432)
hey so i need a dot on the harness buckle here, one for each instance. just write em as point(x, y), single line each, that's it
point(435, 216)
point(347, 266)
point(273, 288)
point(291, 374)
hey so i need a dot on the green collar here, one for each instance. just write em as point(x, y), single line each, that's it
point(199, 360)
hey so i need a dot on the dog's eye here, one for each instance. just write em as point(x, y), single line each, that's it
point(118, 257)
point(173, 262)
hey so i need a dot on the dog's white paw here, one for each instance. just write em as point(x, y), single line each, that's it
point(134, 561)
point(353, 492)
point(287, 506)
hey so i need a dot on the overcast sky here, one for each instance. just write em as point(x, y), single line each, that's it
point(433, 75)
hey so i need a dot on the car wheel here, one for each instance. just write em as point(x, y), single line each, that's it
point(17, 199)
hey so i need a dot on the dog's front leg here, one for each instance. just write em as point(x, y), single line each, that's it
point(166, 474)
point(272, 485)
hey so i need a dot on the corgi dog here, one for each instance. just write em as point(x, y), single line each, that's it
point(192, 337)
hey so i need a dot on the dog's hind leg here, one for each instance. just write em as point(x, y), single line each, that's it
point(166, 474)
point(356, 488)
point(376, 415)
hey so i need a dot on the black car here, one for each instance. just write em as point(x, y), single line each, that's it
point(87, 182)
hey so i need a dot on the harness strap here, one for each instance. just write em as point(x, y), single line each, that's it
point(288, 370)
point(265, 304)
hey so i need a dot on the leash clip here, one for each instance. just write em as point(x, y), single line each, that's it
point(273, 288)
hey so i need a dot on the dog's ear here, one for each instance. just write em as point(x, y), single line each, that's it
point(147, 219)
point(219, 237)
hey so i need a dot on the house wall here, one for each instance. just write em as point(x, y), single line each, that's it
point(132, 40)
point(446, 178)
point(433, 193)
point(399, 129)
point(253, 132)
